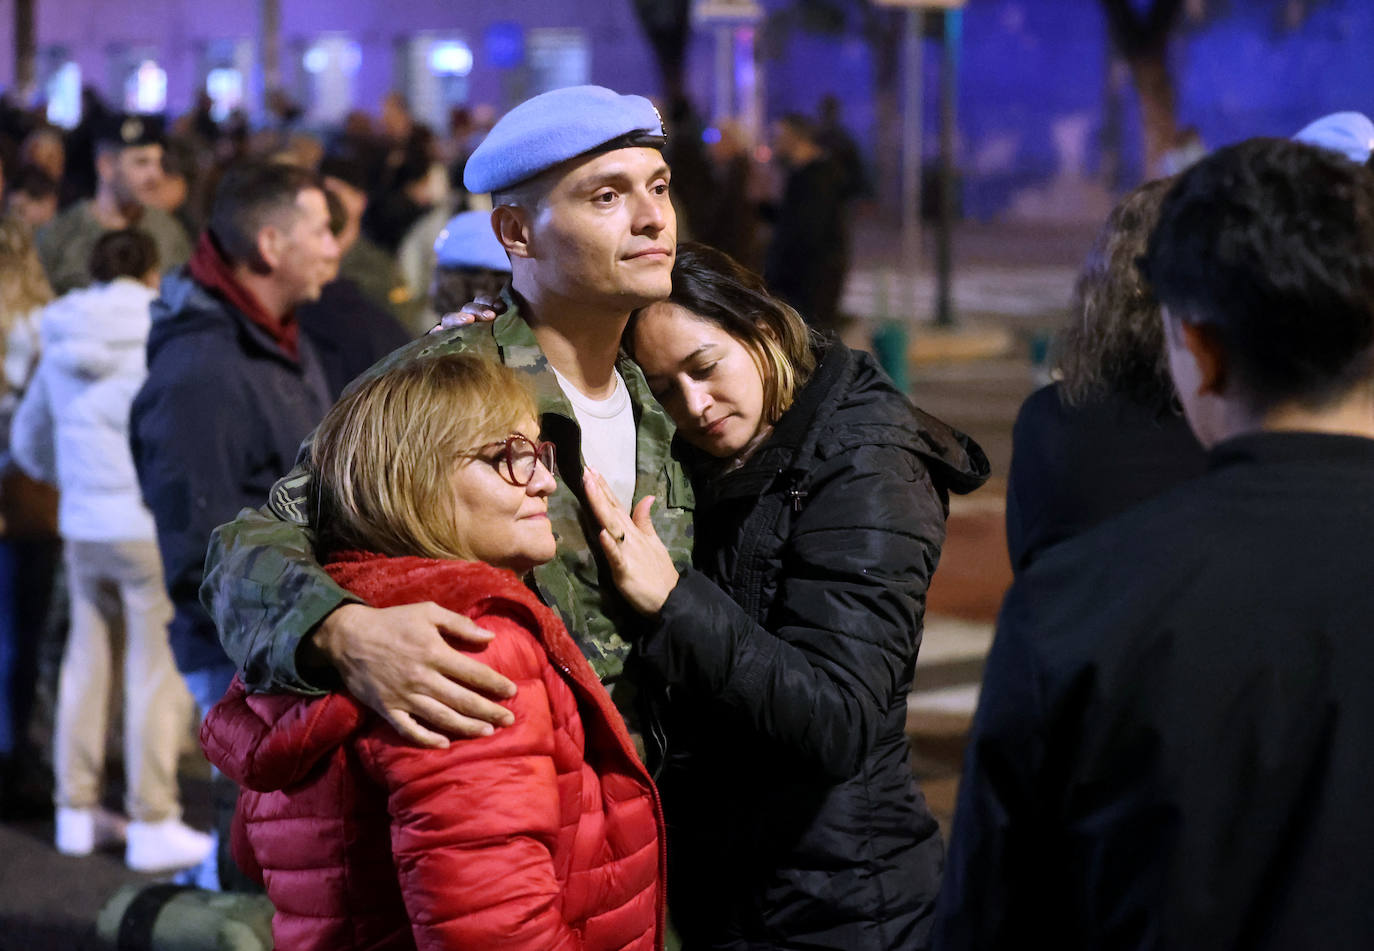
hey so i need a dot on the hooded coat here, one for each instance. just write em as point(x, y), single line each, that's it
point(72, 426)
point(545, 835)
point(794, 817)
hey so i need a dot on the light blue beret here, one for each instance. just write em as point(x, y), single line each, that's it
point(468, 241)
point(1349, 133)
point(556, 126)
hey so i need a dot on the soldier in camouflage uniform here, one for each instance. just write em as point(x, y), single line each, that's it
point(129, 164)
point(289, 627)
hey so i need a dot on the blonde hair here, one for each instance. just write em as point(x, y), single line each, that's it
point(383, 459)
point(23, 285)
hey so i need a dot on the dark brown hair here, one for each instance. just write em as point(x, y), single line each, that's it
point(1114, 341)
point(129, 252)
point(719, 290)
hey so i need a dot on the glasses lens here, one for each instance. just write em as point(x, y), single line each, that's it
point(520, 457)
point(548, 457)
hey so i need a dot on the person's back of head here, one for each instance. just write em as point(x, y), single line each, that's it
point(469, 262)
point(128, 252)
point(1113, 343)
point(252, 195)
point(1269, 246)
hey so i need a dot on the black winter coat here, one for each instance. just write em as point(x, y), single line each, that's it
point(1172, 749)
point(219, 419)
point(794, 818)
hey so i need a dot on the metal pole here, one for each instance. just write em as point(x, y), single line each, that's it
point(944, 308)
point(912, 128)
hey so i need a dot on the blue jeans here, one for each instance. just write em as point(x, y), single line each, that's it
point(207, 686)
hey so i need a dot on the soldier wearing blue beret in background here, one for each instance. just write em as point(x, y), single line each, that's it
point(469, 262)
point(581, 210)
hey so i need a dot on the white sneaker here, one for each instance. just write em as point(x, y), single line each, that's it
point(75, 831)
point(82, 831)
point(165, 846)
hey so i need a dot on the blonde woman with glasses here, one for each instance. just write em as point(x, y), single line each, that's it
point(430, 483)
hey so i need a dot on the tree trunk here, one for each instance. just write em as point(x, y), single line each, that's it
point(667, 26)
point(1141, 36)
point(25, 50)
point(1158, 116)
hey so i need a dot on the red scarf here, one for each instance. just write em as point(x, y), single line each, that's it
point(212, 270)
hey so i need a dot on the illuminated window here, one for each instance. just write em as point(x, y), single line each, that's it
point(436, 69)
point(145, 89)
point(224, 86)
point(450, 58)
point(331, 63)
point(557, 58)
point(63, 90)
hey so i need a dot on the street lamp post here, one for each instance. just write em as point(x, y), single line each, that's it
point(912, 114)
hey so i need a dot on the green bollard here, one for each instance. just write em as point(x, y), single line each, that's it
point(891, 342)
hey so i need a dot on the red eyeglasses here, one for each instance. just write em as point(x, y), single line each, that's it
point(519, 458)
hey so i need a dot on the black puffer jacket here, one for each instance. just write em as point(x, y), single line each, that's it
point(794, 820)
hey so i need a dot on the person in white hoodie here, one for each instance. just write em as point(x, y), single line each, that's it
point(72, 429)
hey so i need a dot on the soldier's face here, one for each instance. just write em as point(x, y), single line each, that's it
point(504, 524)
point(606, 233)
point(707, 380)
point(138, 174)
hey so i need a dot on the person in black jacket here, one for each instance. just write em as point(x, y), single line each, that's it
point(1172, 745)
point(779, 665)
point(1109, 434)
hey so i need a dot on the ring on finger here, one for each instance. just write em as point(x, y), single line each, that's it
point(619, 539)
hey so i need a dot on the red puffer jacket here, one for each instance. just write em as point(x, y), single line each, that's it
point(547, 834)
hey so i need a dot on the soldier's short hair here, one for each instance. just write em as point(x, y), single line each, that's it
point(382, 460)
point(250, 196)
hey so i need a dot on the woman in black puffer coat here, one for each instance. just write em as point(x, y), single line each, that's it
point(779, 665)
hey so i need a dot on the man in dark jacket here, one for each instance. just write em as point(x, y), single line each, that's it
point(1172, 749)
point(233, 386)
point(809, 251)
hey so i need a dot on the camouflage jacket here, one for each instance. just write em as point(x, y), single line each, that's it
point(266, 592)
point(65, 243)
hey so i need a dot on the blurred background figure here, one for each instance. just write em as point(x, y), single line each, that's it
point(685, 153)
point(31, 196)
point(363, 261)
point(838, 143)
point(72, 429)
point(1109, 434)
point(44, 149)
point(729, 219)
point(129, 170)
point(28, 537)
point(469, 263)
point(808, 253)
point(350, 330)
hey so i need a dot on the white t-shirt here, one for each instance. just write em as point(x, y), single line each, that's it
point(608, 435)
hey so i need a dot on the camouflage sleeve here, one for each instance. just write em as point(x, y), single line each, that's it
point(266, 592)
point(264, 587)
